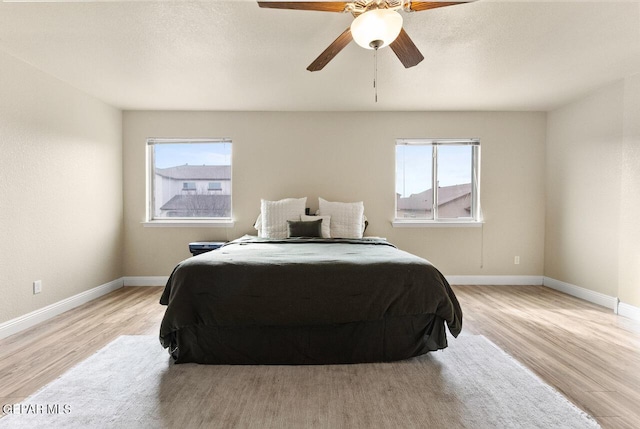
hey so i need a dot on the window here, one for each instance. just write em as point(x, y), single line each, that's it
point(189, 179)
point(450, 167)
point(215, 186)
point(189, 186)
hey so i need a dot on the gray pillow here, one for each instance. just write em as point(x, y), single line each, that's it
point(299, 228)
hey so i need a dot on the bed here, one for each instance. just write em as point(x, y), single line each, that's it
point(302, 300)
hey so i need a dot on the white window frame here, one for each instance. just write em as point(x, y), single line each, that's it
point(476, 214)
point(223, 222)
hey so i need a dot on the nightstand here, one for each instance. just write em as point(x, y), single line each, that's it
point(199, 247)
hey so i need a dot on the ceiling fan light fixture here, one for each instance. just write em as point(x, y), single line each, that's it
point(376, 28)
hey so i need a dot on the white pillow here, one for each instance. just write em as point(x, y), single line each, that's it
point(326, 223)
point(275, 215)
point(346, 218)
point(258, 225)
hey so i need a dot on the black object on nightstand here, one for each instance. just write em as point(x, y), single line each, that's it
point(199, 247)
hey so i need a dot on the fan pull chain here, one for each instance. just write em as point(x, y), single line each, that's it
point(375, 73)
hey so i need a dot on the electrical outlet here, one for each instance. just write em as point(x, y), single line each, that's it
point(37, 286)
point(516, 260)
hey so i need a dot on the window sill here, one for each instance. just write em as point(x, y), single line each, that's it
point(436, 223)
point(189, 223)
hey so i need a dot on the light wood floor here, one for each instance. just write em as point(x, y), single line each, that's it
point(589, 354)
point(585, 351)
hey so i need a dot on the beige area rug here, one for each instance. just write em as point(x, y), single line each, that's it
point(131, 383)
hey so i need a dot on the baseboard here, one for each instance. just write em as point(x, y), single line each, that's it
point(582, 293)
point(455, 280)
point(38, 316)
point(495, 280)
point(145, 280)
point(629, 311)
point(21, 323)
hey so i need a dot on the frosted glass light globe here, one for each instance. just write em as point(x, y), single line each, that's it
point(376, 28)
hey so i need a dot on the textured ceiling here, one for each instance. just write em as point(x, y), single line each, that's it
point(233, 55)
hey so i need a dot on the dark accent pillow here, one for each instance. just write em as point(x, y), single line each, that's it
point(299, 228)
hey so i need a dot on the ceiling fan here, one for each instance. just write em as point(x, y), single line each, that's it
point(377, 24)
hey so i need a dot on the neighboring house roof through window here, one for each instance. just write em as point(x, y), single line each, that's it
point(424, 199)
point(197, 205)
point(196, 172)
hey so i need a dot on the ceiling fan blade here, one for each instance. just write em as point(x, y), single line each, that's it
point(417, 6)
point(406, 50)
point(334, 49)
point(322, 6)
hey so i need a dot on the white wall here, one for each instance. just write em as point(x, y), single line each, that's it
point(60, 190)
point(349, 156)
point(593, 192)
point(629, 224)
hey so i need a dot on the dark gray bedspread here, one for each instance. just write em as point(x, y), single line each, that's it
point(306, 301)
